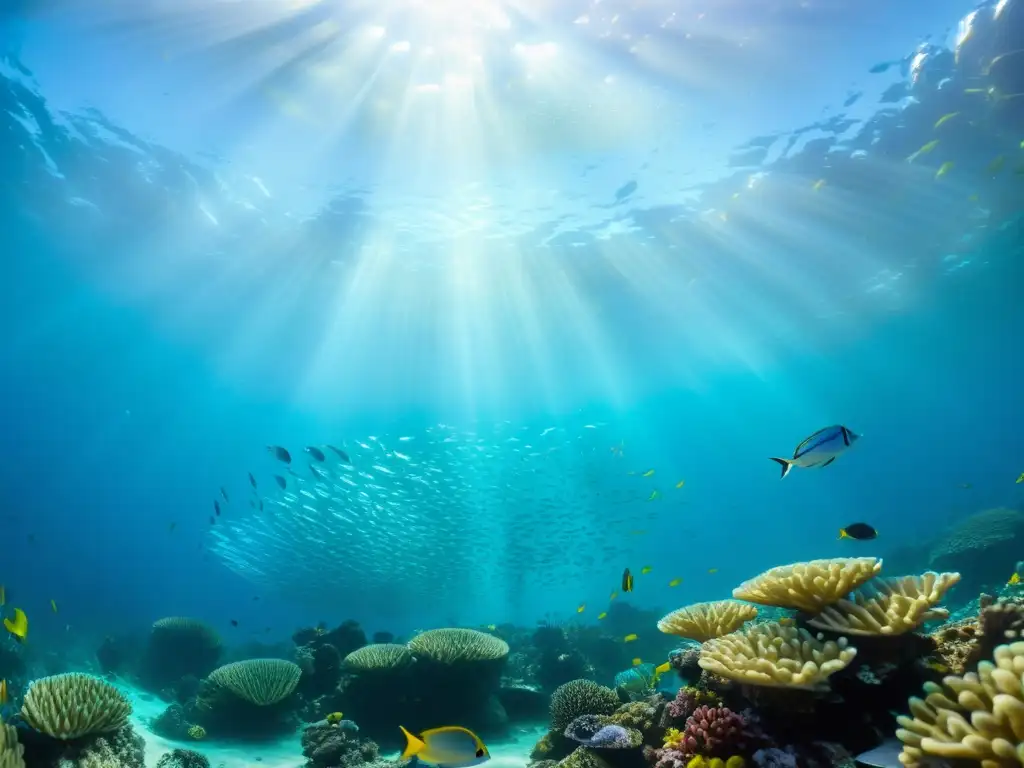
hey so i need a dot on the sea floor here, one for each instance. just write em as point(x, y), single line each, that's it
point(286, 752)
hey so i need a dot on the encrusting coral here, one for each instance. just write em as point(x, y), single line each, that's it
point(892, 606)
point(73, 705)
point(977, 717)
point(704, 621)
point(808, 586)
point(773, 655)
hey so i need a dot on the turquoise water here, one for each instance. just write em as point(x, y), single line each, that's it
point(557, 278)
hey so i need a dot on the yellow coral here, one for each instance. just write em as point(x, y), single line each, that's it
point(808, 586)
point(673, 738)
point(704, 621)
point(735, 762)
point(697, 762)
point(716, 762)
point(197, 732)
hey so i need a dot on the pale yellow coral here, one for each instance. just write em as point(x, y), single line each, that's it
point(704, 621)
point(774, 655)
point(977, 718)
point(888, 606)
point(808, 586)
point(73, 705)
point(11, 752)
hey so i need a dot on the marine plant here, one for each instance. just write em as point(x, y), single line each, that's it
point(808, 586)
point(262, 682)
point(713, 732)
point(773, 655)
point(580, 697)
point(704, 621)
point(72, 705)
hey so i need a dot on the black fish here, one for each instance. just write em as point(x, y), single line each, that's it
point(316, 453)
point(252, 480)
point(341, 454)
point(858, 531)
point(281, 454)
point(224, 494)
point(281, 482)
point(216, 507)
point(234, 623)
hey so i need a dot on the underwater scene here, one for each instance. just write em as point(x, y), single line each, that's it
point(530, 383)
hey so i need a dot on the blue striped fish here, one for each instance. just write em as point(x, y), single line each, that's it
point(820, 449)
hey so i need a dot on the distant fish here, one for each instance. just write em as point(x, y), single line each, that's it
point(627, 581)
point(53, 605)
point(648, 473)
point(3, 692)
point(1013, 580)
point(582, 607)
point(316, 453)
point(450, 746)
point(252, 480)
point(279, 453)
point(646, 569)
point(680, 484)
point(1020, 478)
point(818, 185)
point(171, 527)
point(602, 615)
point(630, 637)
point(819, 450)
point(18, 626)
point(216, 507)
point(334, 718)
point(712, 571)
point(234, 622)
point(341, 454)
point(613, 595)
point(637, 661)
point(281, 482)
point(675, 582)
point(225, 494)
point(858, 531)
point(931, 145)
point(3, 595)
point(945, 168)
point(654, 495)
point(945, 119)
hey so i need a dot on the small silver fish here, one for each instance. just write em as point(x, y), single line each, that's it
point(820, 449)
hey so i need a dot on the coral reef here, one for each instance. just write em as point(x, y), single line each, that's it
point(453, 646)
point(808, 586)
point(73, 705)
point(686, 663)
point(182, 758)
point(326, 745)
point(380, 657)
point(178, 646)
point(122, 748)
point(593, 731)
point(262, 682)
point(704, 621)
point(713, 732)
point(11, 751)
point(172, 723)
point(983, 547)
point(580, 697)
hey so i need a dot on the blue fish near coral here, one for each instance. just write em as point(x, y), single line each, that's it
point(448, 747)
point(820, 449)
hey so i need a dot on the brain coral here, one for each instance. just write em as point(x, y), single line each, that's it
point(451, 646)
point(259, 681)
point(580, 697)
point(73, 705)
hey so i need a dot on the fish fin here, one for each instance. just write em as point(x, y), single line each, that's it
point(829, 461)
point(843, 534)
point(413, 745)
point(786, 465)
point(846, 436)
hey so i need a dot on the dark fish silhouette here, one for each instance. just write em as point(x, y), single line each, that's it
point(316, 453)
point(281, 481)
point(341, 454)
point(281, 454)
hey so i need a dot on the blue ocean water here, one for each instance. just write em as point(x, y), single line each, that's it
point(510, 258)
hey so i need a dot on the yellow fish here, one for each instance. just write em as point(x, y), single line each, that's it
point(3, 595)
point(582, 608)
point(492, 627)
point(1021, 478)
point(923, 150)
point(613, 595)
point(646, 569)
point(648, 473)
point(3, 692)
point(712, 570)
point(637, 661)
point(661, 669)
point(818, 184)
point(945, 168)
point(675, 582)
point(451, 746)
point(680, 484)
point(602, 615)
point(996, 165)
point(630, 638)
point(975, 90)
point(654, 495)
point(334, 718)
point(786, 621)
point(945, 118)
point(1015, 579)
point(53, 604)
point(19, 625)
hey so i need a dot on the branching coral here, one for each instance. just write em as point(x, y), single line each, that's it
point(72, 705)
point(808, 586)
point(888, 606)
point(704, 621)
point(580, 697)
point(976, 717)
point(451, 646)
point(11, 752)
point(259, 681)
point(774, 655)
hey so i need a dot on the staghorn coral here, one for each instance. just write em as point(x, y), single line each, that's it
point(259, 681)
point(891, 606)
point(808, 586)
point(72, 705)
point(704, 621)
point(580, 697)
point(774, 655)
point(977, 717)
point(379, 657)
point(451, 646)
point(11, 752)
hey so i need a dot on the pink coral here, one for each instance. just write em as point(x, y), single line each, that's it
point(683, 706)
point(668, 758)
point(714, 732)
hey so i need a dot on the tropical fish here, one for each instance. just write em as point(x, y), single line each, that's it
point(1014, 579)
point(819, 450)
point(252, 480)
point(225, 494)
point(680, 484)
point(341, 454)
point(3, 591)
point(637, 661)
point(334, 718)
point(316, 453)
point(53, 605)
point(602, 615)
point(945, 168)
point(818, 184)
point(923, 150)
point(18, 626)
point(712, 570)
point(279, 453)
point(646, 569)
point(3, 692)
point(630, 638)
point(1020, 479)
point(858, 531)
point(945, 119)
point(613, 595)
point(648, 473)
point(216, 508)
point(654, 495)
point(582, 607)
point(627, 581)
point(282, 483)
point(450, 747)
point(786, 621)
point(675, 582)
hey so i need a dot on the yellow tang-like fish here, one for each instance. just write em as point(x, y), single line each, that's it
point(646, 569)
point(680, 484)
point(613, 595)
point(654, 495)
point(923, 150)
point(18, 626)
point(818, 184)
point(945, 118)
point(582, 607)
point(451, 746)
point(945, 168)
point(712, 570)
point(637, 661)
point(1019, 480)
point(648, 473)
point(630, 638)
point(661, 669)
point(675, 582)
point(602, 615)
point(53, 604)
point(1014, 579)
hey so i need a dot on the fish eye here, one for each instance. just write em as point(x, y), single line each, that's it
point(479, 753)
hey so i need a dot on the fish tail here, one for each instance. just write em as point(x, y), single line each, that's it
point(786, 465)
point(843, 534)
point(413, 746)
